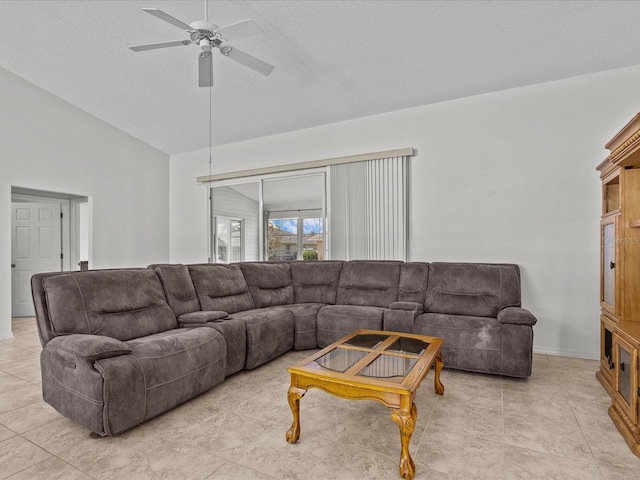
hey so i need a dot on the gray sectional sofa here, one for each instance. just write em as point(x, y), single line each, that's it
point(123, 346)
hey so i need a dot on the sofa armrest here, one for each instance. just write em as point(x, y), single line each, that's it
point(88, 348)
point(199, 318)
point(415, 307)
point(516, 316)
point(399, 317)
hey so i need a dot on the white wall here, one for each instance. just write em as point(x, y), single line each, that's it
point(502, 177)
point(47, 144)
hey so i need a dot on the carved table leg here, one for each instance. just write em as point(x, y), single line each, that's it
point(406, 420)
point(294, 396)
point(439, 364)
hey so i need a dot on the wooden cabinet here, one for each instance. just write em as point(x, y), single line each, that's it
point(620, 281)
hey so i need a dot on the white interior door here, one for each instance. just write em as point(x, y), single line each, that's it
point(36, 247)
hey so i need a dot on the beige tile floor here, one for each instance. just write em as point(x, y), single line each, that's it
point(552, 426)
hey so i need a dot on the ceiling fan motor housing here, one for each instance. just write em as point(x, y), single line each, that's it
point(206, 35)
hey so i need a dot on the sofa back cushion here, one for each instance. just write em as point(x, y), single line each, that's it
point(413, 282)
point(221, 287)
point(315, 282)
point(269, 283)
point(369, 282)
point(473, 289)
point(122, 304)
point(178, 288)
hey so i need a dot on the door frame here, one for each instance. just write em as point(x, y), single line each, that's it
point(69, 206)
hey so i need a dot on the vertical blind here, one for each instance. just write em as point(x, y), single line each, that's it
point(369, 209)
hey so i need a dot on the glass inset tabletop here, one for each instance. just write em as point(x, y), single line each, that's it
point(389, 357)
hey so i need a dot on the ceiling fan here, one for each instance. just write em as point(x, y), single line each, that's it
point(208, 36)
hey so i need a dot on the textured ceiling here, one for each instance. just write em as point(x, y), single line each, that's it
point(335, 60)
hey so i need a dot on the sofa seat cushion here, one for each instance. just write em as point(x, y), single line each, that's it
point(269, 334)
point(304, 324)
point(336, 321)
point(178, 365)
point(470, 343)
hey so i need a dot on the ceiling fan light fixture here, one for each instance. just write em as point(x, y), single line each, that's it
point(205, 44)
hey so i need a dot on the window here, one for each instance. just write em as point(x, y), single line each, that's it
point(300, 238)
point(229, 239)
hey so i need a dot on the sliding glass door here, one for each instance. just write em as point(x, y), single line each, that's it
point(279, 217)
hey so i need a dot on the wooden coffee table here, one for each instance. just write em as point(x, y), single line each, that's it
point(371, 365)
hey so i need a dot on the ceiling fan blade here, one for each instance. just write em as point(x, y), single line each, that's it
point(168, 18)
point(247, 60)
point(241, 29)
point(205, 69)
point(153, 46)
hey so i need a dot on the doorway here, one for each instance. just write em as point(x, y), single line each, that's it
point(50, 232)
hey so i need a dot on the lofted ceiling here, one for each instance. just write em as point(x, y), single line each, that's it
point(335, 60)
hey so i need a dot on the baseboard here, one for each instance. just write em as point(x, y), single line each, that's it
point(566, 353)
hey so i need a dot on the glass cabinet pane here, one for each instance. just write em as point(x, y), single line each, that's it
point(624, 382)
point(608, 259)
point(608, 350)
point(638, 400)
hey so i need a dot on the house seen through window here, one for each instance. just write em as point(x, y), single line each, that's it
point(300, 238)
